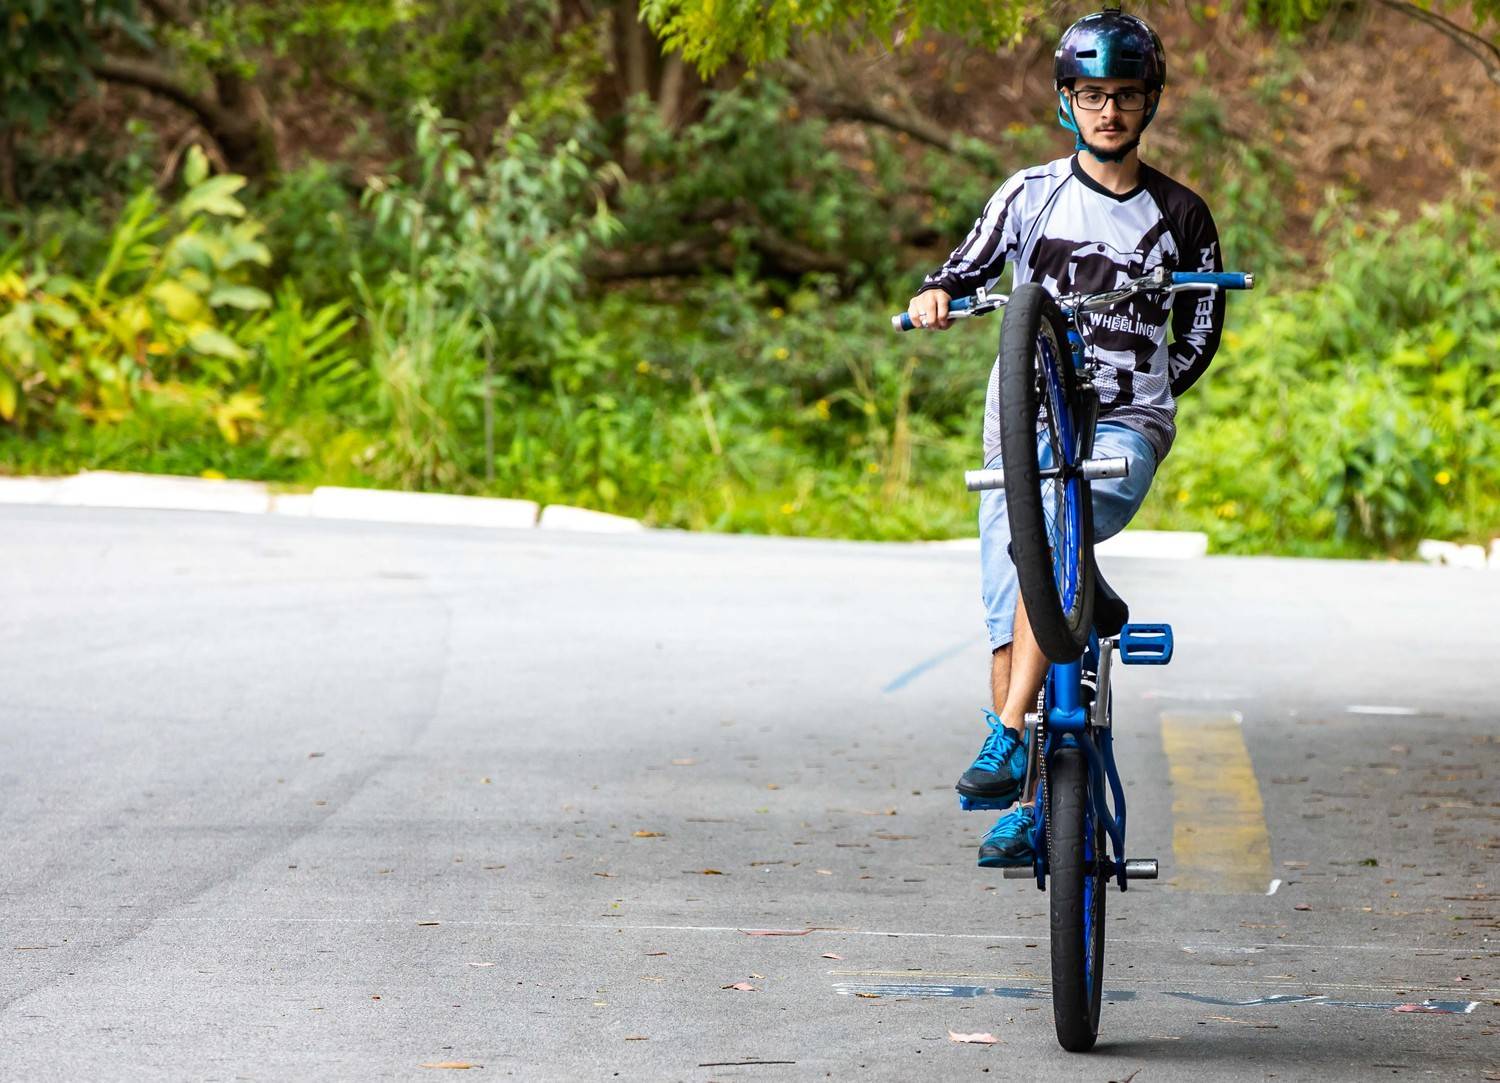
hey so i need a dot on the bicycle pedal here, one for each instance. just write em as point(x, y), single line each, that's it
point(983, 804)
point(1146, 644)
point(1140, 868)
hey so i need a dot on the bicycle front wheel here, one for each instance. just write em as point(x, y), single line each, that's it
point(1075, 855)
point(1051, 523)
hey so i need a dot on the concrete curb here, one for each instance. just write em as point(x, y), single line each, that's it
point(386, 506)
point(1155, 544)
point(115, 489)
point(563, 517)
point(1135, 544)
point(1455, 555)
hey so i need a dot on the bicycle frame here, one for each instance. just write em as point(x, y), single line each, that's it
point(1068, 722)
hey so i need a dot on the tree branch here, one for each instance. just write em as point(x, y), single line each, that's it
point(842, 105)
point(168, 11)
point(1476, 45)
point(158, 80)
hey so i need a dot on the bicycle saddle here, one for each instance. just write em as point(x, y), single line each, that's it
point(1110, 611)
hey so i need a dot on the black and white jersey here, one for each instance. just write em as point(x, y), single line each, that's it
point(1059, 227)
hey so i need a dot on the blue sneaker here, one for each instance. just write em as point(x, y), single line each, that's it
point(999, 771)
point(1009, 841)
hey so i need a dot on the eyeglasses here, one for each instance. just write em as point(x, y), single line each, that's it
point(1127, 101)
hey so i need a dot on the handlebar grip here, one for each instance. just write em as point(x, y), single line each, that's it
point(1229, 280)
point(957, 306)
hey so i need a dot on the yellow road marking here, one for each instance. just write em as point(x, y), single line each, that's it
point(1219, 839)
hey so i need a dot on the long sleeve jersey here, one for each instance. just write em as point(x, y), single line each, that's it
point(1059, 227)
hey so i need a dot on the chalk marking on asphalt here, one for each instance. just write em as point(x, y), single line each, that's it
point(1272, 983)
point(922, 667)
point(1219, 839)
point(1274, 885)
point(1387, 949)
point(1367, 708)
point(1427, 1006)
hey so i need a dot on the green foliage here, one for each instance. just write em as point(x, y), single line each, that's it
point(709, 33)
point(493, 256)
point(161, 329)
point(1290, 16)
point(439, 334)
point(1361, 413)
point(772, 178)
point(46, 47)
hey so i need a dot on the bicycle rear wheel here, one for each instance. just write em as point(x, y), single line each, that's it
point(1051, 523)
point(1075, 854)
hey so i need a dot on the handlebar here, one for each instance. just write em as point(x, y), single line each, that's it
point(959, 307)
point(1159, 280)
point(1229, 280)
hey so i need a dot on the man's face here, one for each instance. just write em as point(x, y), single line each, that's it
point(1110, 128)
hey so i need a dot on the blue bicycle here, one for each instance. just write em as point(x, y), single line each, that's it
point(1048, 411)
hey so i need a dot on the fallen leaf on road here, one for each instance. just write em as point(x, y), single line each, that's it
point(773, 786)
point(606, 875)
point(775, 932)
point(636, 1038)
point(647, 834)
point(686, 761)
point(703, 872)
point(481, 964)
point(974, 1039)
point(824, 872)
point(1301, 906)
point(1423, 1009)
point(831, 955)
point(655, 953)
point(895, 838)
point(457, 1064)
point(1244, 1022)
point(429, 923)
point(742, 986)
point(868, 996)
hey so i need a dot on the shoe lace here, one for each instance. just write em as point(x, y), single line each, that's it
point(997, 746)
point(1012, 824)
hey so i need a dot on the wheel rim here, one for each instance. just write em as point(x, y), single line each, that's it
point(1062, 504)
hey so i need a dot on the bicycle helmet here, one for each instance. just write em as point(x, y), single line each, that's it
point(1107, 45)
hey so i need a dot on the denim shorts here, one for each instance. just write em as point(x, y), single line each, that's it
point(1116, 500)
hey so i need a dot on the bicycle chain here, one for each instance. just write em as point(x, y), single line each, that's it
point(1041, 746)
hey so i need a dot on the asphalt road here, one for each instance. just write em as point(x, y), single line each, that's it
point(294, 799)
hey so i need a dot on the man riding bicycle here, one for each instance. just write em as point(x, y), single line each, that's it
point(1082, 224)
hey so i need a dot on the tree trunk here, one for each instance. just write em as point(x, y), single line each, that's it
point(8, 191)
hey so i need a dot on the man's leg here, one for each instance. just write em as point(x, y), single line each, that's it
point(1114, 502)
point(1000, 768)
point(1027, 670)
point(1000, 677)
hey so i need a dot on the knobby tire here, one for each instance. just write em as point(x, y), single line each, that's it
point(1077, 946)
point(1036, 388)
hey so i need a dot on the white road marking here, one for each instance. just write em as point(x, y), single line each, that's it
point(1366, 708)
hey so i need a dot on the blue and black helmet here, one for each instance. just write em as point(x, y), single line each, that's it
point(1110, 45)
point(1107, 45)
